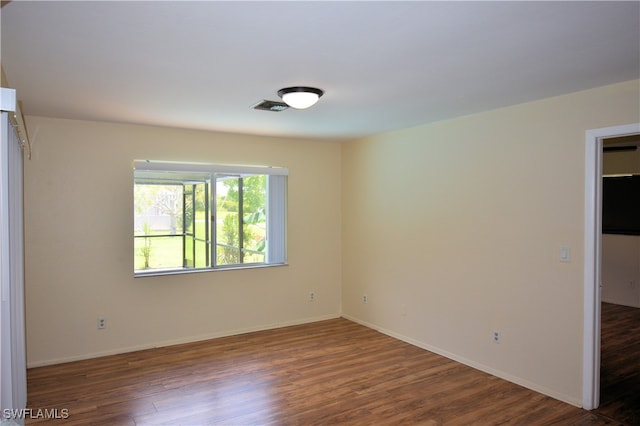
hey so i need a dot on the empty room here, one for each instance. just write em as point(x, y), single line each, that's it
point(320, 212)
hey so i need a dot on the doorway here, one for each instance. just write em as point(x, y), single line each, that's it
point(593, 258)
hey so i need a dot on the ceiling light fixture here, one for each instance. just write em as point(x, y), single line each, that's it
point(300, 97)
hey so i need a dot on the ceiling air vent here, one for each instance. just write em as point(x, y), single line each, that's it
point(266, 105)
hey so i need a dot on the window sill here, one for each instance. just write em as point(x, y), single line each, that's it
point(181, 271)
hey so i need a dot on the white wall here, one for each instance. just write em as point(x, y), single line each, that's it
point(79, 244)
point(621, 269)
point(453, 230)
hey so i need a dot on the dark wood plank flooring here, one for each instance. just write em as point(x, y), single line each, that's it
point(325, 373)
point(620, 364)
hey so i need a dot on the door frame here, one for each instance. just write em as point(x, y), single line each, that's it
point(593, 258)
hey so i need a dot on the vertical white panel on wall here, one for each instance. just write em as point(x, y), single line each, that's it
point(12, 324)
point(276, 228)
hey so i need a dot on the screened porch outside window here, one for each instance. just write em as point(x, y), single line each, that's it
point(197, 217)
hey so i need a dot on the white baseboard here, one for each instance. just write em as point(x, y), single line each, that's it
point(473, 364)
point(180, 341)
point(478, 366)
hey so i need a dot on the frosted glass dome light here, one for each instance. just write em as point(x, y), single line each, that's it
point(300, 97)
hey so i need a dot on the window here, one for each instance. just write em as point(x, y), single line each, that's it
point(194, 217)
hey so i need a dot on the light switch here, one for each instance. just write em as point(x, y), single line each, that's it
point(565, 254)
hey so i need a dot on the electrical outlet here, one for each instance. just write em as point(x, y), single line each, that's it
point(497, 336)
point(365, 298)
point(102, 323)
point(312, 296)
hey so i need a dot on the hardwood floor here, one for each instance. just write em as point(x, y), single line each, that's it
point(620, 364)
point(325, 373)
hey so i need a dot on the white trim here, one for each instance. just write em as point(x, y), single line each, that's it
point(182, 271)
point(209, 168)
point(13, 389)
point(183, 340)
point(473, 364)
point(592, 259)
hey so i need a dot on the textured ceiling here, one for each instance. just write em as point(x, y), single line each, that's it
point(383, 65)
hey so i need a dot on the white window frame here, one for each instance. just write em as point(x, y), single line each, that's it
point(276, 247)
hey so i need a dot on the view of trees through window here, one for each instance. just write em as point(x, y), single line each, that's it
point(178, 216)
point(241, 221)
